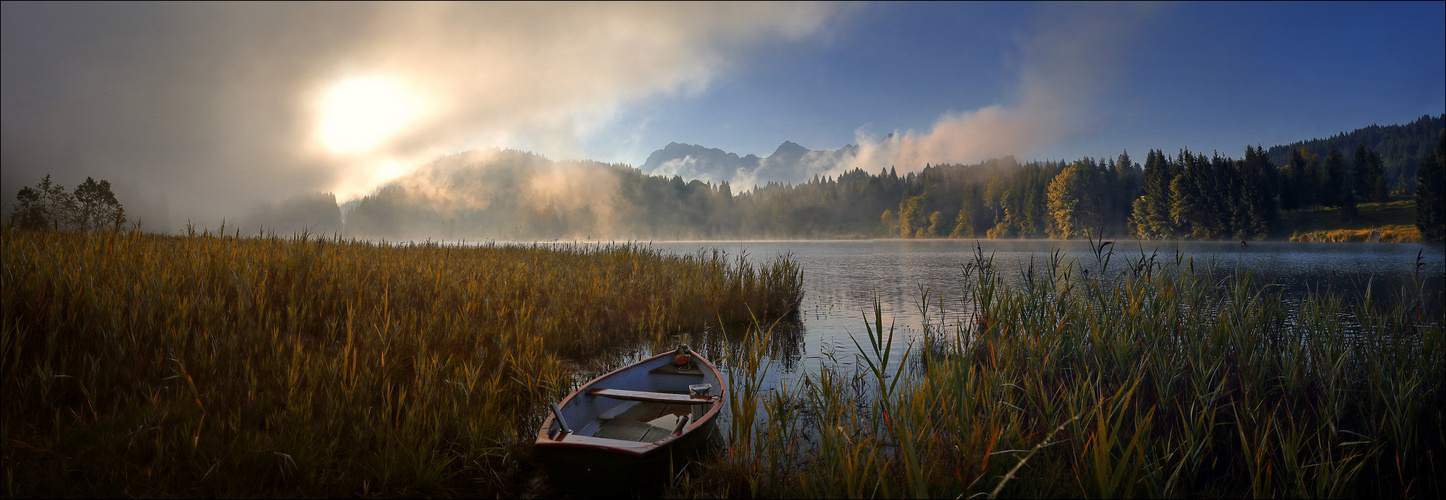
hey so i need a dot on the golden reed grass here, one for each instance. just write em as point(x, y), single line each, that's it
point(211, 365)
point(1382, 234)
point(1085, 381)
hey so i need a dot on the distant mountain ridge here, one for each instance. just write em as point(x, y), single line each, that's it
point(1401, 148)
point(790, 163)
point(688, 191)
point(692, 161)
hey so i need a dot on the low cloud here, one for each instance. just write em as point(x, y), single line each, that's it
point(1072, 55)
point(214, 106)
point(203, 111)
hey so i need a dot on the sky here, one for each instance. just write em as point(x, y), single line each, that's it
point(197, 111)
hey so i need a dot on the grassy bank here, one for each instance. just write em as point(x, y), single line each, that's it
point(1124, 381)
point(1391, 221)
point(143, 365)
point(1381, 234)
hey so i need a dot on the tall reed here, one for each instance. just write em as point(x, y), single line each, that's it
point(212, 365)
point(1147, 380)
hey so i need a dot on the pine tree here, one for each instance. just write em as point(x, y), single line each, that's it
point(1335, 184)
point(1370, 183)
point(1008, 224)
point(1219, 191)
point(969, 221)
point(1291, 177)
point(1188, 210)
point(1256, 206)
point(1301, 184)
point(1030, 215)
point(1156, 220)
point(1125, 187)
point(1431, 194)
point(1312, 179)
point(1379, 191)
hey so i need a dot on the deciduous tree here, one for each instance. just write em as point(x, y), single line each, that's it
point(96, 207)
point(91, 207)
point(1071, 207)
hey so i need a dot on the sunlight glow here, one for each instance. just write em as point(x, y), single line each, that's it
point(359, 113)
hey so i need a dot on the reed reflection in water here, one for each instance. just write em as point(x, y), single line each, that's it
point(843, 278)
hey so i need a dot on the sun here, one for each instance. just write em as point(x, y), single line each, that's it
point(358, 114)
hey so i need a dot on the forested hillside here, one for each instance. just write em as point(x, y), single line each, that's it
point(506, 194)
point(1401, 147)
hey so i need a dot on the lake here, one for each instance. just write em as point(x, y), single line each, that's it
point(843, 277)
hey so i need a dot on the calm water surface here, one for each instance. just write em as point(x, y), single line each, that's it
point(842, 279)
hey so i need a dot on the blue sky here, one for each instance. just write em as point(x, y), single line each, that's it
point(1206, 76)
point(204, 109)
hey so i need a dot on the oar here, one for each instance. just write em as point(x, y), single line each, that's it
point(557, 412)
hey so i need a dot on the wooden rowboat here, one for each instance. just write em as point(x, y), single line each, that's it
point(634, 424)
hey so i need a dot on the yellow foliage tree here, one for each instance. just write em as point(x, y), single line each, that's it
point(1071, 208)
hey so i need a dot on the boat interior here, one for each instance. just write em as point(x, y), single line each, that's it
point(641, 421)
point(643, 403)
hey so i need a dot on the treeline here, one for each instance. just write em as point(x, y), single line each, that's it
point(1401, 148)
point(48, 206)
point(1191, 196)
point(506, 194)
point(516, 195)
point(1184, 196)
point(509, 194)
point(314, 213)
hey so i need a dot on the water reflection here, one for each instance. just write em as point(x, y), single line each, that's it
point(843, 278)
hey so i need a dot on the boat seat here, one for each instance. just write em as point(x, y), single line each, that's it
point(652, 397)
point(630, 430)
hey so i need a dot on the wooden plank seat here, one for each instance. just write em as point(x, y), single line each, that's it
point(631, 430)
point(651, 397)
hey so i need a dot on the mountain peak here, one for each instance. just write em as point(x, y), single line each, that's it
point(789, 163)
point(789, 148)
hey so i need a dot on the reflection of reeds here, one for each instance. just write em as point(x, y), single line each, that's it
point(216, 366)
point(1150, 382)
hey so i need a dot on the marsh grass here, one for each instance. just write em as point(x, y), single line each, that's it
point(212, 365)
point(1395, 221)
point(1145, 380)
point(1382, 234)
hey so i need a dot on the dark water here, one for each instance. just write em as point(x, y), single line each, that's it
point(843, 278)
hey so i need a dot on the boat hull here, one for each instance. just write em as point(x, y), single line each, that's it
point(602, 471)
point(630, 429)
